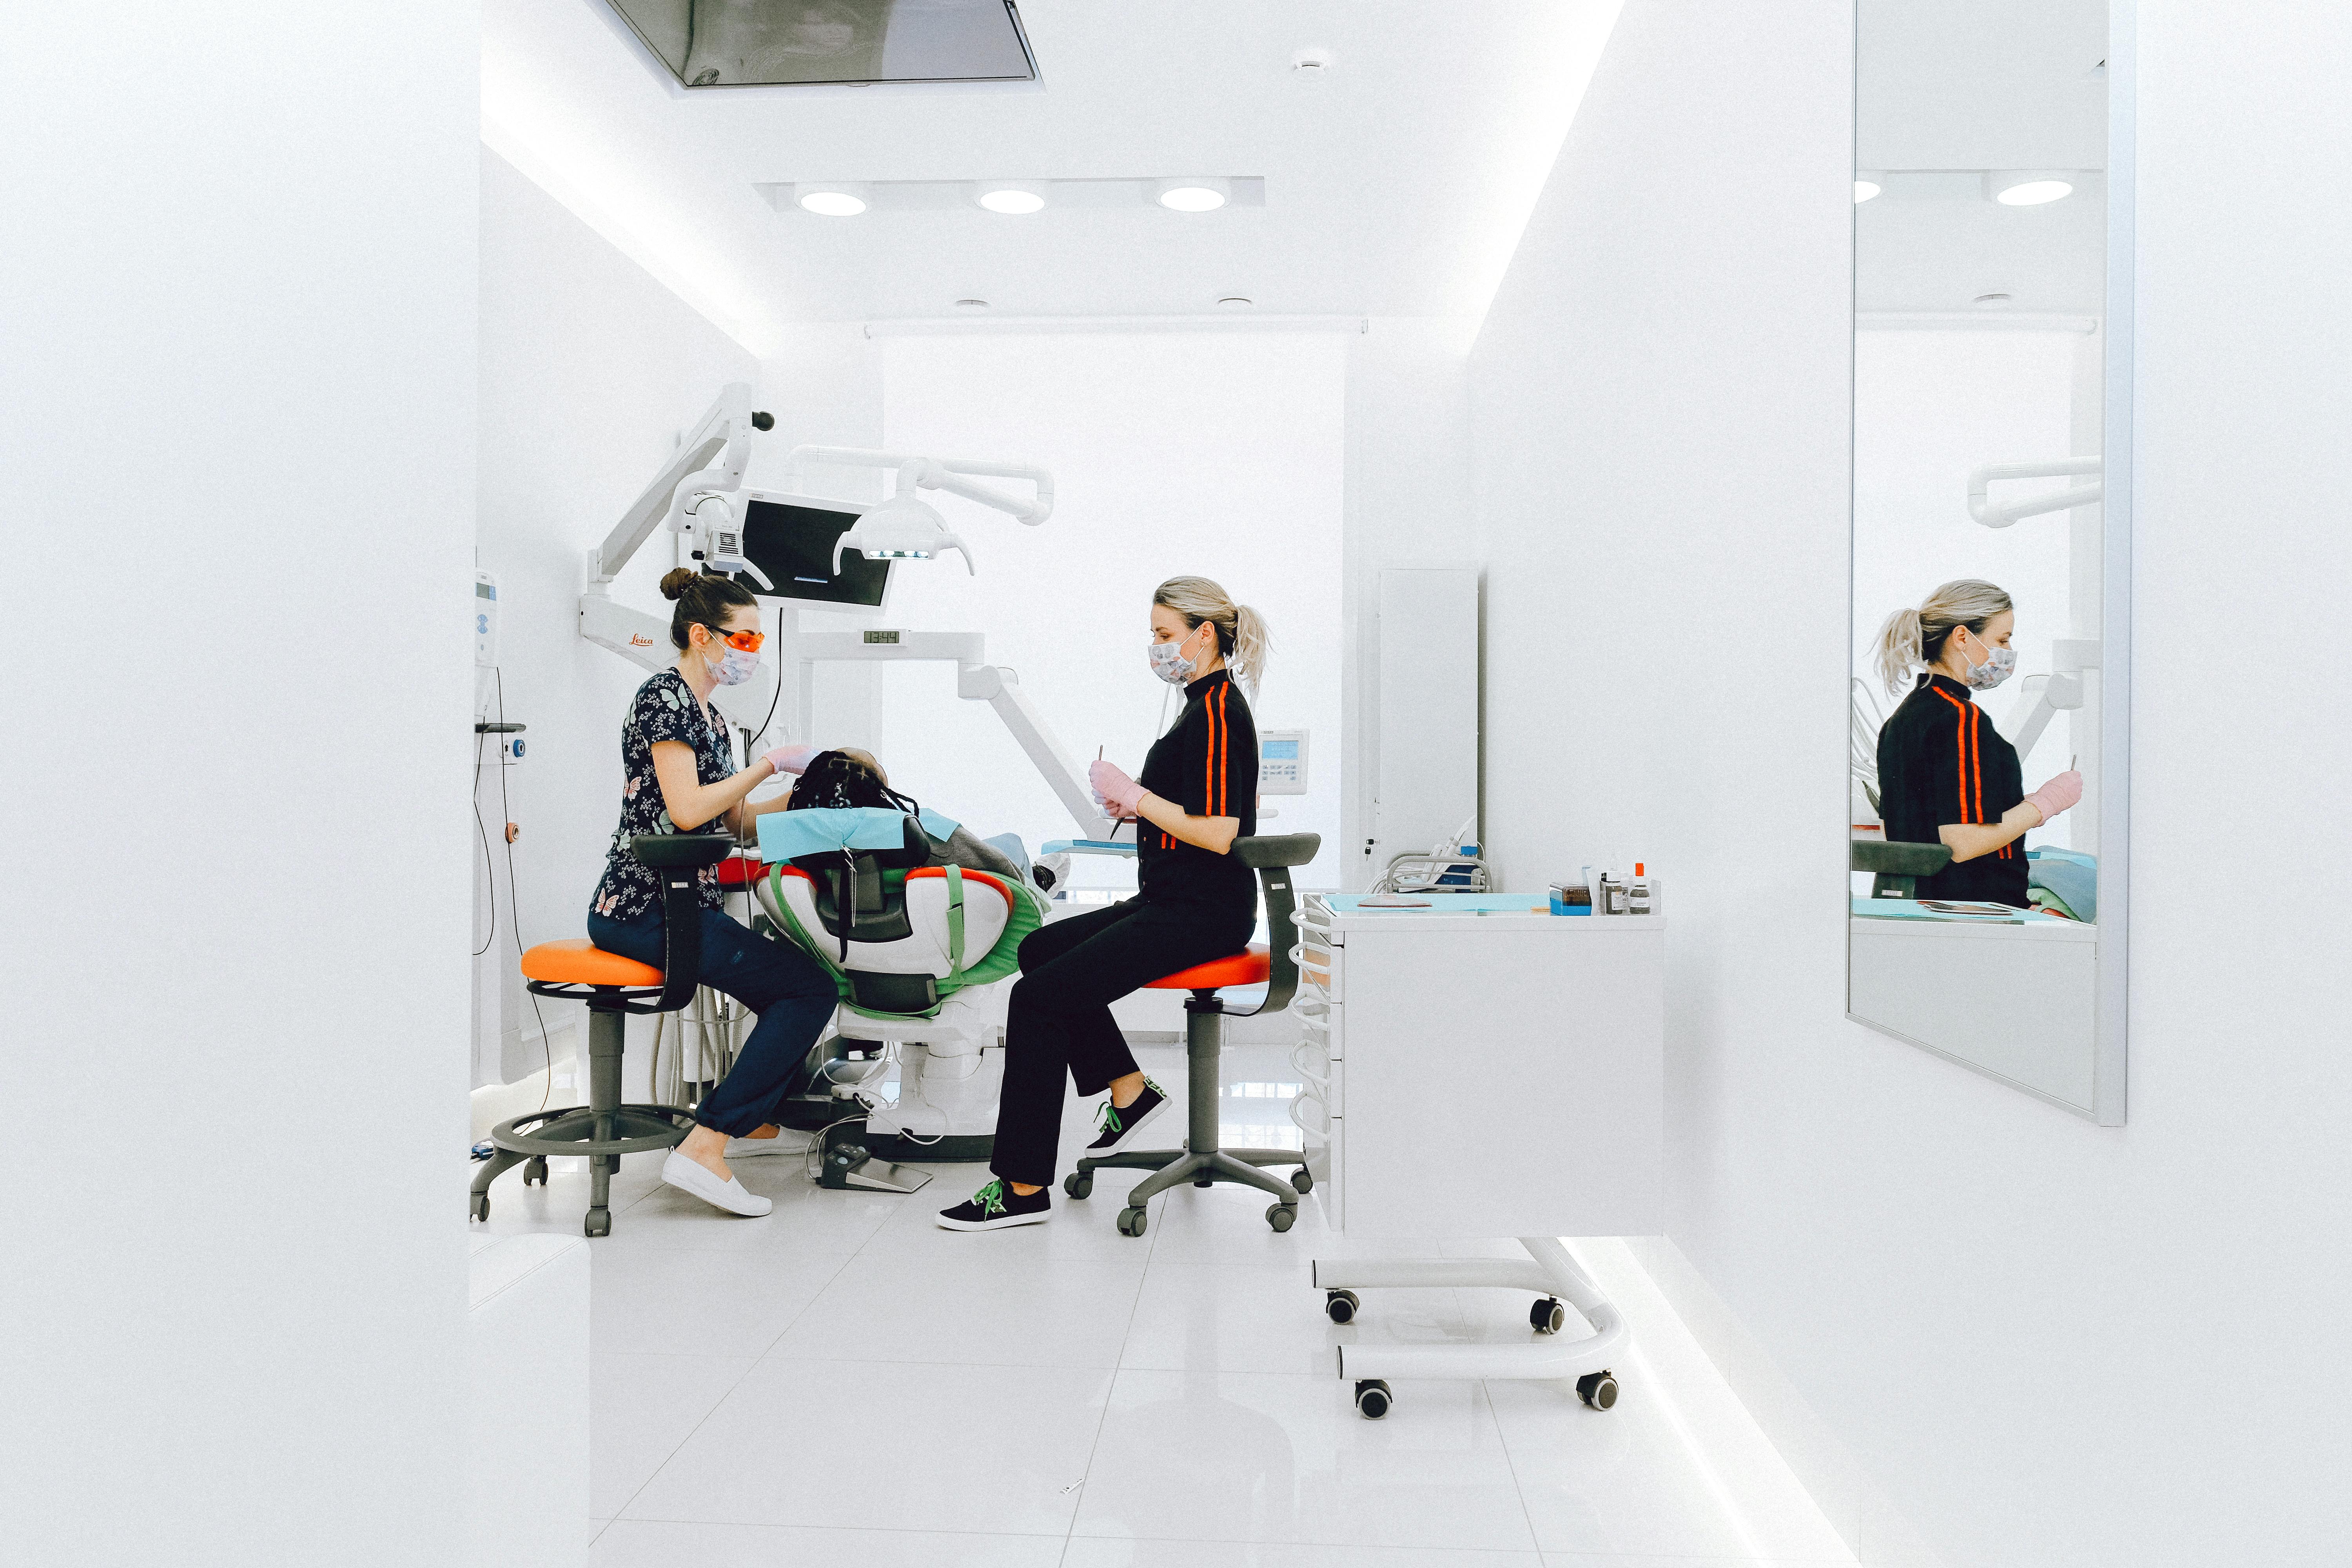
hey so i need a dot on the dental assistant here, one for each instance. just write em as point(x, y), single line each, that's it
point(680, 777)
point(1945, 774)
point(1198, 793)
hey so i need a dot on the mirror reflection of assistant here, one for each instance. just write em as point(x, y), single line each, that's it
point(1945, 774)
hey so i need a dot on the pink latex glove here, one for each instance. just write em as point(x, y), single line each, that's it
point(2058, 795)
point(790, 759)
point(1113, 788)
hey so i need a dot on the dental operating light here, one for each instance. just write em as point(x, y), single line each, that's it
point(906, 527)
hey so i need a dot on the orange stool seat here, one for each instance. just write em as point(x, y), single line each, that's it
point(1242, 969)
point(577, 961)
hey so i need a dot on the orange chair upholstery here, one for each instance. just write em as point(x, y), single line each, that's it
point(577, 961)
point(737, 872)
point(1249, 968)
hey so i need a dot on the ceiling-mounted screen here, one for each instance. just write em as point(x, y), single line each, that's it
point(815, 43)
point(791, 539)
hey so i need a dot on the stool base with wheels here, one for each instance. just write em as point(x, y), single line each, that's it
point(612, 986)
point(1200, 1161)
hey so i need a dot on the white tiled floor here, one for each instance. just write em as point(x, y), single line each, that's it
point(844, 1383)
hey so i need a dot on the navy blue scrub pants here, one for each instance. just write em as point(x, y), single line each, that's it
point(1058, 1021)
point(789, 991)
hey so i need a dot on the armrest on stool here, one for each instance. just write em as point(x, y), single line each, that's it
point(1271, 855)
point(679, 858)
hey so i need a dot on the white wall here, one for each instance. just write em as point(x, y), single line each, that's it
point(2048, 1342)
point(1214, 453)
point(590, 368)
point(236, 460)
point(1408, 504)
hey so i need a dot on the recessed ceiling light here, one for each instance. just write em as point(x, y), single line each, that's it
point(832, 201)
point(1865, 189)
point(1011, 196)
point(2034, 193)
point(1312, 63)
point(1237, 301)
point(1194, 194)
point(1990, 301)
point(972, 304)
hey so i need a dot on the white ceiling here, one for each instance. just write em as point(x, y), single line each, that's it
point(1981, 84)
point(1396, 185)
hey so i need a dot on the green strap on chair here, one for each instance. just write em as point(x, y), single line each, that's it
point(1025, 914)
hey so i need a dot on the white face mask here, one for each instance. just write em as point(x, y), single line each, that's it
point(733, 667)
point(2000, 664)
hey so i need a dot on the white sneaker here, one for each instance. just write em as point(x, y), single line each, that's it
point(754, 1148)
point(731, 1195)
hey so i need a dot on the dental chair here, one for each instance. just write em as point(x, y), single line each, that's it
point(915, 950)
point(1275, 966)
point(613, 987)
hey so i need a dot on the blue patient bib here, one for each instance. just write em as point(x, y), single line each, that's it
point(788, 835)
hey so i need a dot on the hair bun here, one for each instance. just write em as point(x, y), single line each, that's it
point(676, 581)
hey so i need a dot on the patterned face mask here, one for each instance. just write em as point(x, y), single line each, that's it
point(1994, 670)
point(1169, 663)
point(734, 666)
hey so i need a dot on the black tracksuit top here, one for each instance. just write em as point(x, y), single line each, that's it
point(1939, 760)
point(1207, 764)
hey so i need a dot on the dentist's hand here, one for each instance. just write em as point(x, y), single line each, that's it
point(2059, 794)
point(1113, 788)
point(790, 759)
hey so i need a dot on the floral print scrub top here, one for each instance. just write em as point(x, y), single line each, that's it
point(663, 710)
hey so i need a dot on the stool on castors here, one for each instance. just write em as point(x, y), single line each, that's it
point(613, 987)
point(1200, 1161)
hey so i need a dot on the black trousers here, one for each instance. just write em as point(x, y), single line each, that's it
point(1059, 1021)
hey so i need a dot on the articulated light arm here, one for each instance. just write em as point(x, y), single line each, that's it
point(1980, 505)
point(708, 465)
point(906, 528)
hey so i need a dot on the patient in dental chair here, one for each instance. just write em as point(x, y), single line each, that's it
point(847, 776)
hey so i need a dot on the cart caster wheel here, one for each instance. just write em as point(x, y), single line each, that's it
point(479, 1206)
point(1282, 1216)
point(535, 1170)
point(1372, 1400)
point(1340, 1306)
point(1131, 1222)
point(1302, 1181)
point(598, 1223)
point(1598, 1389)
point(1549, 1316)
point(1078, 1186)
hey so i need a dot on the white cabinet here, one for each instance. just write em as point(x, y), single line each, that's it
point(1496, 1074)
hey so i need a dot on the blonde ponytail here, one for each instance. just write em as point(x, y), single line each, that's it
point(1243, 638)
point(1912, 639)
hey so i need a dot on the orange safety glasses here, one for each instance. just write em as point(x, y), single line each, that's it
point(744, 642)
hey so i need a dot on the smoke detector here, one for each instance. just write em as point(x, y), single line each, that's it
point(1312, 63)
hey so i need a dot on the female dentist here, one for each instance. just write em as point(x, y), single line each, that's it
point(1197, 794)
point(1945, 774)
point(681, 778)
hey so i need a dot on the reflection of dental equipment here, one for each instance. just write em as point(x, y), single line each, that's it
point(1980, 505)
point(906, 528)
point(2063, 690)
point(699, 494)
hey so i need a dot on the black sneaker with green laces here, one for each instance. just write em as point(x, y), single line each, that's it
point(1121, 1123)
point(997, 1206)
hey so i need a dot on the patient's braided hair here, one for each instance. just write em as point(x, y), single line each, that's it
point(838, 778)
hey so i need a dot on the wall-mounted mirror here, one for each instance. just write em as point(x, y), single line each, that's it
point(1991, 541)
